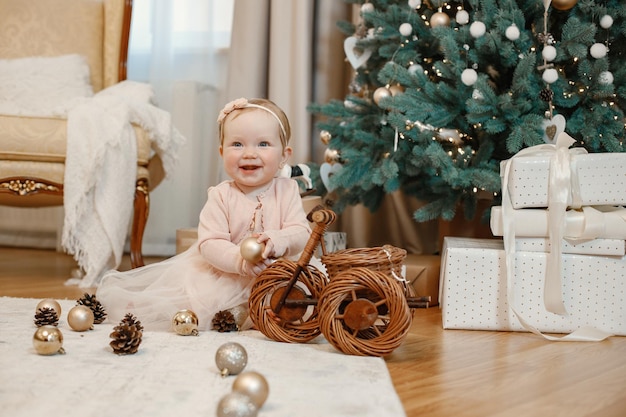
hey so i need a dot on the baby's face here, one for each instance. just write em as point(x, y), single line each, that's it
point(252, 150)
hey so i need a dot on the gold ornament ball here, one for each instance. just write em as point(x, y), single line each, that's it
point(331, 156)
point(185, 323)
point(80, 318)
point(563, 4)
point(380, 93)
point(439, 19)
point(231, 358)
point(49, 303)
point(396, 89)
point(251, 250)
point(254, 385)
point(48, 340)
point(325, 137)
point(236, 404)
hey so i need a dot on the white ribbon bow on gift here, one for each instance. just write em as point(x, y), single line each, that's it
point(563, 189)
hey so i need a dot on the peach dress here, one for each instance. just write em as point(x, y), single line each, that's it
point(208, 276)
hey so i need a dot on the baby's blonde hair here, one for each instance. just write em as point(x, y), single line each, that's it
point(242, 104)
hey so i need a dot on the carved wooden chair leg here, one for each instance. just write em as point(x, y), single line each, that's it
point(140, 218)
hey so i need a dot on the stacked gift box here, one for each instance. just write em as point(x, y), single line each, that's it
point(573, 224)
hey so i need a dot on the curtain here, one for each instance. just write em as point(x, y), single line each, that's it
point(181, 47)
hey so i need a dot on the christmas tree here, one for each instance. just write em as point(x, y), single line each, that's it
point(442, 91)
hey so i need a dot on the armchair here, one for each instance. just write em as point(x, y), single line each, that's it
point(33, 149)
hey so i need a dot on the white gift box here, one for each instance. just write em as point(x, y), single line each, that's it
point(590, 231)
point(598, 178)
point(474, 294)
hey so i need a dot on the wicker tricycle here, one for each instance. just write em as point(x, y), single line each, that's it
point(363, 307)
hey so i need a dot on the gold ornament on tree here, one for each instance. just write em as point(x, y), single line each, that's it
point(325, 137)
point(231, 358)
point(439, 19)
point(380, 93)
point(80, 318)
point(564, 4)
point(48, 340)
point(185, 323)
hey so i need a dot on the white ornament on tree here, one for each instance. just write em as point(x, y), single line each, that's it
point(469, 76)
point(415, 3)
point(367, 8)
point(478, 29)
point(598, 50)
point(415, 68)
point(606, 77)
point(462, 17)
point(356, 56)
point(406, 29)
point(550, 75)
point(606, 21)
point(512, 33)
point(548, 53)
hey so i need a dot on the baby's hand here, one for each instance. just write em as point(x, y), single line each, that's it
point(269, 251)
point(254, 270)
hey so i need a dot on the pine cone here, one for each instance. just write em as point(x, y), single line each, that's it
point(46, 316)
point(126, 336)
point(132, 321)
point(224, 321)
point(546, 94)
point(99, 313)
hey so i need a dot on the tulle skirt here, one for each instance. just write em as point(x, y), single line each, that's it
point(155, 292)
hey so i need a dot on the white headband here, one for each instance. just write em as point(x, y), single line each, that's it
point(242, 103)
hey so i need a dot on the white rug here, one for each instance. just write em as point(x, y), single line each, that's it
point(176, 376)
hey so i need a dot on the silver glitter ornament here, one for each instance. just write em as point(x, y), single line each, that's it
point(231, 358)
point(236, 404)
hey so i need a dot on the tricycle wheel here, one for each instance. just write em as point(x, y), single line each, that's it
point(364, 312)
point(297, 320)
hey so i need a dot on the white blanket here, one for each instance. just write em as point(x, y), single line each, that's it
point(101, 159)
point(101, 171)
point(174, 375)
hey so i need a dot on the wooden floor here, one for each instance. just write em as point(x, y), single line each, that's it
point(436, 372)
